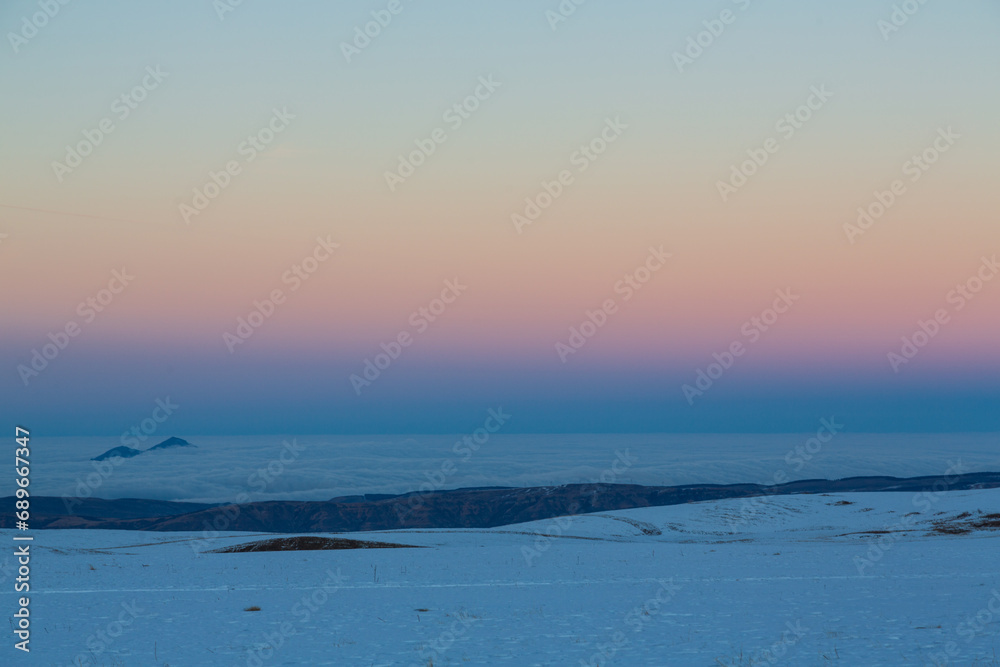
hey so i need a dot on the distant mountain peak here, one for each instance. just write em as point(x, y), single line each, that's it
point(171, 442)
point(122, 451)
point(127, 452)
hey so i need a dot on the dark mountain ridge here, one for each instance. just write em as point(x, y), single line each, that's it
point(457, 508)
point(121, 451)
point(128, 452)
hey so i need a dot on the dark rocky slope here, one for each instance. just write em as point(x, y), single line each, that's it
point(459, 508)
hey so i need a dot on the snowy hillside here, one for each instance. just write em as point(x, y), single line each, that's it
point(852, 579)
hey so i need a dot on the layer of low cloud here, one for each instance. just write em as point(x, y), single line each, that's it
point(219, 469)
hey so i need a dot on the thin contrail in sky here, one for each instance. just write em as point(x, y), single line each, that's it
point(75, 215)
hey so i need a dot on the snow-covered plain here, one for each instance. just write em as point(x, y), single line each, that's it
point(785, 580)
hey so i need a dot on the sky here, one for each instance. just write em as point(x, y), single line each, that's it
point(591, 208)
